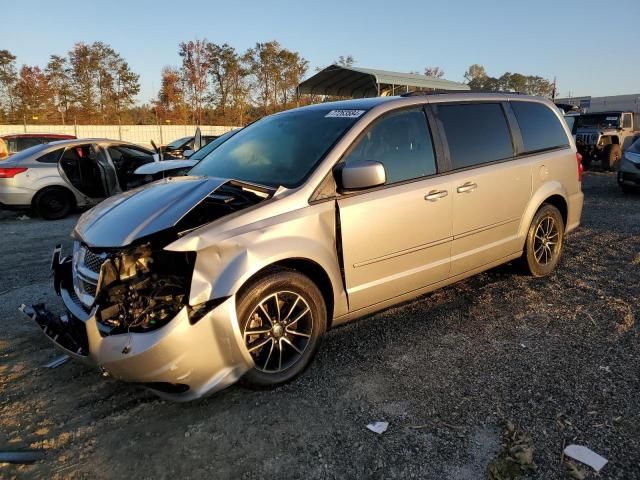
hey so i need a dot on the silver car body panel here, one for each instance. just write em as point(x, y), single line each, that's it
point(368, 244)
point(120, 220)
point(20, 190)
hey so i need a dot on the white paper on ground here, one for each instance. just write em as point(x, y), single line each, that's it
point(586, 456)
point(378, 427)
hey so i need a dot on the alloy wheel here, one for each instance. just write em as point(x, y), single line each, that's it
point(278, 331)
point(546, 241)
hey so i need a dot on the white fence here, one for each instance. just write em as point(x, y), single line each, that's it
point(141, 134)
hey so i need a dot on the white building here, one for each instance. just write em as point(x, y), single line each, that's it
point(627, 103)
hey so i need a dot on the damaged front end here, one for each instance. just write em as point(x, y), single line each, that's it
point(128, 306)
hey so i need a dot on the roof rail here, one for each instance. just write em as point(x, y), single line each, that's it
point(418, 93)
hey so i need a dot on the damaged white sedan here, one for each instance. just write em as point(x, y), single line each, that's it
point(304, 220)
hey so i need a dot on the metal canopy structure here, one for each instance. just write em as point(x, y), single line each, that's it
point(358, 82)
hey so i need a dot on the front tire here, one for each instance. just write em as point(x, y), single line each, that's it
point(611, 156)
point(544, 243)
point(282, 319)
point(53, 203)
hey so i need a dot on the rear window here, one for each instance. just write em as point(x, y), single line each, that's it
point(476, 133)
point(540, 127)
point(28, 142)
point(51, 157)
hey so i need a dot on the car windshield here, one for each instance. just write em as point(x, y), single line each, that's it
point(635, 147)
point(279, 150)
point(178, 143)
point(211, 146)
point(598, 120)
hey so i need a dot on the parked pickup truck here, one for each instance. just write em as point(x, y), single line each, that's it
point(603, 136)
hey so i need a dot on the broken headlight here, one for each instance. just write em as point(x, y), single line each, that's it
point(143, 289)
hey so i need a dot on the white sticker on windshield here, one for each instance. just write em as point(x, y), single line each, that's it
point(611, 119)
point(344, 113)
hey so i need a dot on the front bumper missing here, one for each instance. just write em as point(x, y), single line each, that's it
point(178, 361)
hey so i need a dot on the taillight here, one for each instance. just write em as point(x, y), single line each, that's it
point(11, 172)
point(580, 167)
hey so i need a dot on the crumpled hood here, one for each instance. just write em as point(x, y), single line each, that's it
point(120, 220)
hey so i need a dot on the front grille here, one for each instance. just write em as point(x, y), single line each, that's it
point(76, 300)
point(93, 261)
point(86, 271)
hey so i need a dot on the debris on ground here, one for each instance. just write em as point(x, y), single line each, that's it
point(21, 456)
point(515, 458)
point(23, 217)
point(56, 362)
point(573, 471)
point(378, 427)
point(586, 456)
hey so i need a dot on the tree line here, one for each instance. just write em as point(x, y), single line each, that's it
point(212, 84)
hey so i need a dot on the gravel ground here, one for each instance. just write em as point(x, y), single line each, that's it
point(558, 357)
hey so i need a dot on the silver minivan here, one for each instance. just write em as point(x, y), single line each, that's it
point(305, 220)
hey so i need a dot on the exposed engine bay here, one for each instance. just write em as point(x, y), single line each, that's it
point(142, 289)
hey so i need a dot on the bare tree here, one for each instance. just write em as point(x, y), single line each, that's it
point(57, 72)
point(434, 72)
point(8, 80)
point(195, 66)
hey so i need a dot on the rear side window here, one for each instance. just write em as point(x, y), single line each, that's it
point(540, 128)
point(476, 133)
point(51, 157)
point(401, 142)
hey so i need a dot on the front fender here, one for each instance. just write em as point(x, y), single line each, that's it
point(548, 189)
point(309, 234)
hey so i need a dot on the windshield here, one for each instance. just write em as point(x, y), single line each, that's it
point(635, 147)
point(211, 146)
point(279, 150)
point(178, 143)
point(601, 120)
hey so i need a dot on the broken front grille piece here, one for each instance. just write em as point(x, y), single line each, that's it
point(86, 272)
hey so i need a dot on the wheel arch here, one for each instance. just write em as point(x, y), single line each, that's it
point(311, 269)
point(552, 193)
point(74, 200)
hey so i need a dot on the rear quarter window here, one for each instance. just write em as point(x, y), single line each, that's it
point(475, 133)
point(540, 127)
point(51, 157)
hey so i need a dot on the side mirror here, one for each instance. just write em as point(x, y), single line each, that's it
point(187, 153)
point(360, 175)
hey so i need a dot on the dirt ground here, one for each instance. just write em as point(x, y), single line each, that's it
point(559, 357)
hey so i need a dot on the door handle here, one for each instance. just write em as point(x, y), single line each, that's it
point(434, 195)
point(467, 187)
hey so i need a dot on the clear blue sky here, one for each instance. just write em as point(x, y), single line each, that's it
point(592, 47)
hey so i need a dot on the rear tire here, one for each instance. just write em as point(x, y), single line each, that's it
point(53, 203)
point(282, 318)
point(611, 156)
point(544, 243)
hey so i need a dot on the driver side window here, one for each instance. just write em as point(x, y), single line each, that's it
point(626, 120)
point(401, 142)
